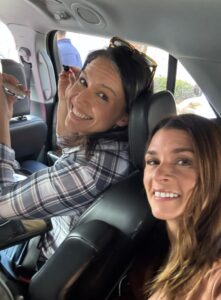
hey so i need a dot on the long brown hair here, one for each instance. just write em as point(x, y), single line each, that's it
point(199, 232)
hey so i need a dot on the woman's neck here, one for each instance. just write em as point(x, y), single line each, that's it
point(172, 230)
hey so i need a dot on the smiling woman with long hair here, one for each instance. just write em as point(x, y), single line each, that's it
point(93, 110)
point(182, 180)
point(181, 258)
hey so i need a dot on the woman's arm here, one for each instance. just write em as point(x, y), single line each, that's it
point(6, 110)
point(66, 80)
point(67, 187)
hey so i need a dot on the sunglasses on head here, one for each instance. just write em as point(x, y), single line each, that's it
point(118, 42)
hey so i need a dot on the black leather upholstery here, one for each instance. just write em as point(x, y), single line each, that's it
point(91, 239)
point(28, 132)
point(119, 220)
point(28, 135)
point(143, 117)
point(77, 265)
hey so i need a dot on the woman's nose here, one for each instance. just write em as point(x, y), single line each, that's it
point(163, 172)
point(82, 96)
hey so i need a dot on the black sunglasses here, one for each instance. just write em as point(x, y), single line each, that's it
point(118, 42)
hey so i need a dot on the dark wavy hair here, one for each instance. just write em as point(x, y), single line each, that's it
point(135, 74)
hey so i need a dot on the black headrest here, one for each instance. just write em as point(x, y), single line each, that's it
point(9, 66)
point(146, 112)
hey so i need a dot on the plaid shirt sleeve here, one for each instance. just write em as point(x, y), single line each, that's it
point(65, 188)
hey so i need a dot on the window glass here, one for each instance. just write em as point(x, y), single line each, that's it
point(161, 57)
point(87, 43)
point(73, 47)
point(7, 44)
point(189, 97)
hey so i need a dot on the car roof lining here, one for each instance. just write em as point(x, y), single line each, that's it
point(179, 21)
point(186, 29)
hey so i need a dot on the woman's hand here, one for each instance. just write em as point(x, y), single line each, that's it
point(6, 100)
point(6, 106)
point(66, 80)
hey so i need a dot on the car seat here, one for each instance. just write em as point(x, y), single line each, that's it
point(28, 132)
point(100, 249)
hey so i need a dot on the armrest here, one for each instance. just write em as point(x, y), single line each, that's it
point(16, 231)
point(74, 255)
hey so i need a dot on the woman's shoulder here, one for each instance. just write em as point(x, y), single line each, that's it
point(214, 279)
point(103, 153)
point(101, 146)
point(214, 273)
point(108, 144)
point(209, 287)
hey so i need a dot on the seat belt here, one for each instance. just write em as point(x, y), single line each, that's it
point(28, 71)
point(24, 54)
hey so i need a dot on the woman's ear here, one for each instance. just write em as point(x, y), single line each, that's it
point(122, 121)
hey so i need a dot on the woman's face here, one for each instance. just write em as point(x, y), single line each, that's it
point(170, 173)
point(96, 101)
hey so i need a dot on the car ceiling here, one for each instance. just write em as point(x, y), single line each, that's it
point(190, 30)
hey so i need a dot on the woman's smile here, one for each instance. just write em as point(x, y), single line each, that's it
point(165, 195)
point(79, 115)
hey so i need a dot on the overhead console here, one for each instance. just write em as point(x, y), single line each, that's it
point(64, 12)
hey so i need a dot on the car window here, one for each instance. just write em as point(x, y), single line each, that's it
point(7, 44)
point(161, 57)
point(82, 44)
point(189, 97)
point(86, 43)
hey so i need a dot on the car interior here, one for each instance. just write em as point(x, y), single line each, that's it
point(182, 38)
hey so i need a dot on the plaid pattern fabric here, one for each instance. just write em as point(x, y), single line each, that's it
point(64, 190)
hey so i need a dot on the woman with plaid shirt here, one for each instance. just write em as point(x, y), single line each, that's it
point(93, 109)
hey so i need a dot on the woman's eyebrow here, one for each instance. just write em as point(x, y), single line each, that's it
point(102, 84)
point(109, 88)
point(150, 152)
point(176, 150)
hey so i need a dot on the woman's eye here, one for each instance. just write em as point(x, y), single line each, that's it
point(103, 96)
point(184, 162)
point(82, 81)
point(152, 162)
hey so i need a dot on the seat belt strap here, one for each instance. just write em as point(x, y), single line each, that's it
point(28, 71)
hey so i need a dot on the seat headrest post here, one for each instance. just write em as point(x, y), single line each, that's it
point(146, 112)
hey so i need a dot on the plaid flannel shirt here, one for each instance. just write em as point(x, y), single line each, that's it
point(64, 190)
